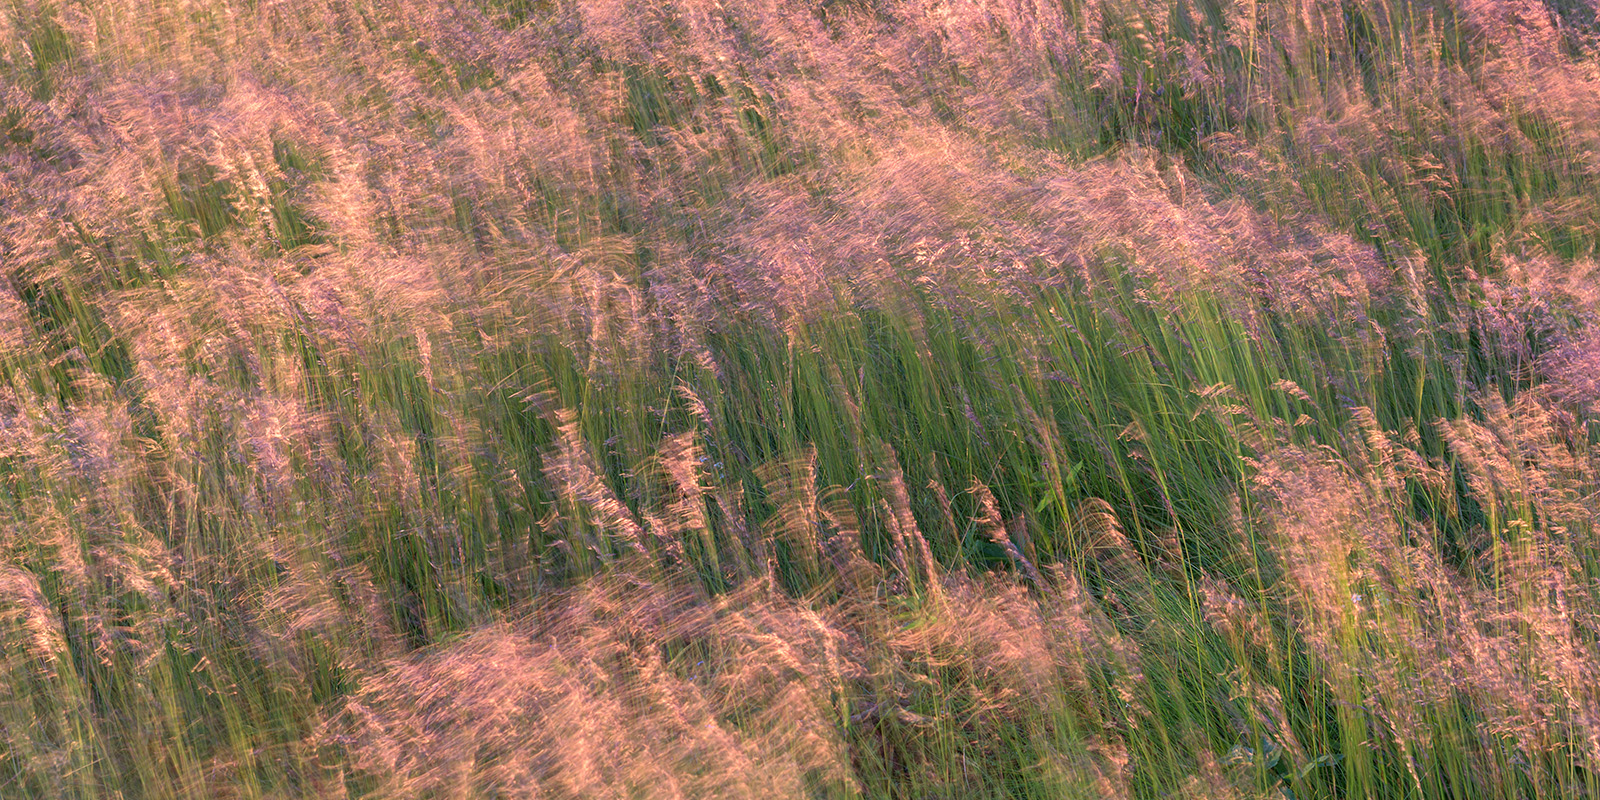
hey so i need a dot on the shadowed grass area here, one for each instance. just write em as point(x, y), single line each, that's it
point(890, 399)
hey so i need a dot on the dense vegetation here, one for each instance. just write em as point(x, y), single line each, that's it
point(823, 398)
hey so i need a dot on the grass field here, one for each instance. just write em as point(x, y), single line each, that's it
point(827, 398)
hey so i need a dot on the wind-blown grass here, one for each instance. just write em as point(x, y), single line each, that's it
point(826, 399)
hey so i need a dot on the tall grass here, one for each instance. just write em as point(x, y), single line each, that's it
point(842, 398)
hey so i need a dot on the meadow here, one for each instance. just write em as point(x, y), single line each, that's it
point(809, 399)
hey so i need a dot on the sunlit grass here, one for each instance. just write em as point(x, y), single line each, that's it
point(831, 399)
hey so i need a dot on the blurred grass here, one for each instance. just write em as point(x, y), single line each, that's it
point(1139, 400)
